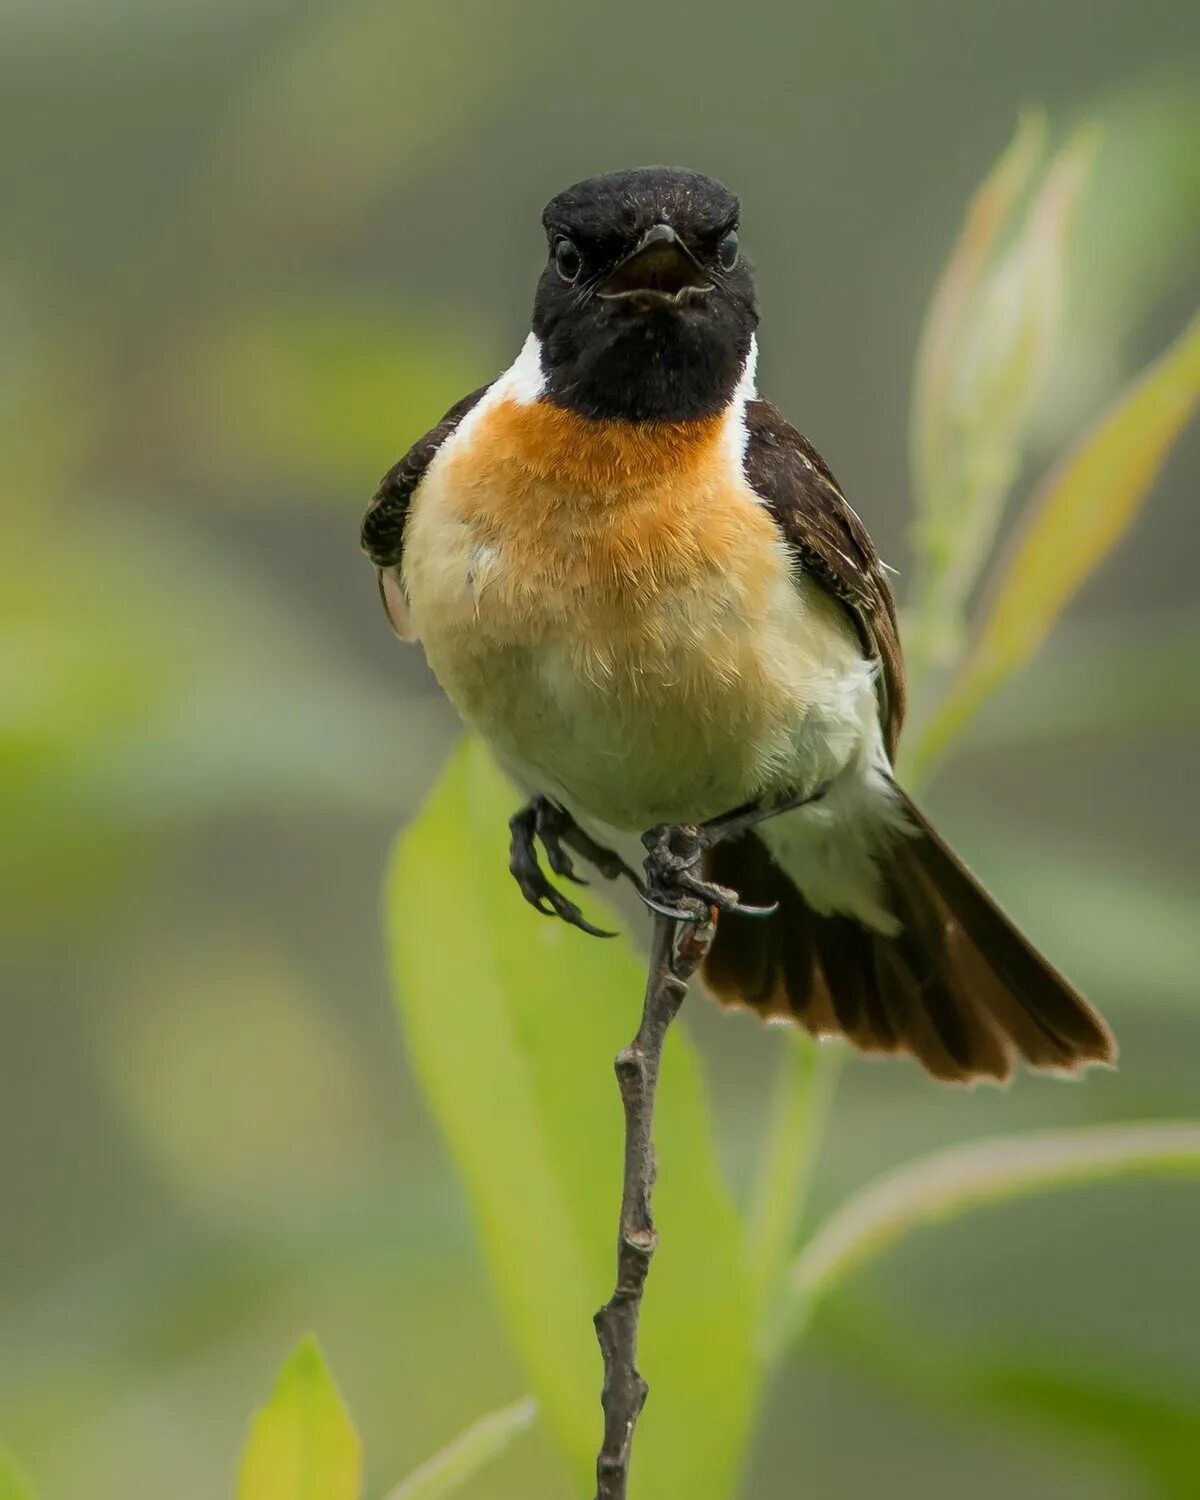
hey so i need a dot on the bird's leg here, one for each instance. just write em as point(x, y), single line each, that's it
point(541, 819)
point(731, 825)
point(673, 852)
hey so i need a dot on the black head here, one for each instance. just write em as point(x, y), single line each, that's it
point(646, 308)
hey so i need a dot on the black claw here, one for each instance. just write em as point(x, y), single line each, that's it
point(551, 823)
point(675, 913)
point(723, 898)
point(545, 821)
point(743, 909)
point(569, 912)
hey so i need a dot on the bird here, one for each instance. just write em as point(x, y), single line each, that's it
point(647, 593)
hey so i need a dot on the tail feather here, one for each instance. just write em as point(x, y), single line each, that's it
point(957, 985)
point(1056, 1008)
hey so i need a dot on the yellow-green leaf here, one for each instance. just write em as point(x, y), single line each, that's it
point(963, 1177)
point(1127, 678)
point(986, 215)
point(302, 1444)
point(512, 1023)
point(353, 380)
point(1075, 518)
point(788, 1152)
point(462, 1459)
point(996, 359)
point(13, 1485)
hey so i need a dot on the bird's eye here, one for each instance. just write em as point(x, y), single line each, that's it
point(566, 259)
point(727, 252)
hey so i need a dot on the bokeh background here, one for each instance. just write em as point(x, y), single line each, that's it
point(251, 251)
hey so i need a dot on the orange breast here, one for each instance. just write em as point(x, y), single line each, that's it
point(607, 515)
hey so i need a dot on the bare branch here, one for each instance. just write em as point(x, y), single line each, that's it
point(677, 949)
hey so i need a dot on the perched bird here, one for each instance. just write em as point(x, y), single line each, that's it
point(647, 593)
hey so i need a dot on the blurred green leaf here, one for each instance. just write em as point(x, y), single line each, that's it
point(1137, 240)
point(932, 437)
point(53, 394)
point(1074, 519)
point(462, 1459)
point(13, 1486)
point(1156, 1426)
point(169, 681)
point(950, 1182)
point(1105, 679)
point(302, 1444)
point(234, 1008)
point(1109, 1408)
point(807, 1077)
point(512, 1023)
point(974, 413)
point(354, 380)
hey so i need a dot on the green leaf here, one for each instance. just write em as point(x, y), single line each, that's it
point(136, 706)
point(1075, 518)
point(191, 1014)
point(354, 379)
point(1138, 237)
point(1155, 1425)
point(1110, 1410)
point(952, 1181)
point(931, 432)
point(471, 1451)
point(1000, 351)
point(13, 1485)
point(302, 1445)
point(1107, 679)
point(512, 1023)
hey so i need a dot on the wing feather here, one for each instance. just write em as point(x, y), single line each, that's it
point(830, 543)
point(383, 525)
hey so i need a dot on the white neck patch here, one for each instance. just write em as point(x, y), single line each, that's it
point(524, 380)
point(737, 435)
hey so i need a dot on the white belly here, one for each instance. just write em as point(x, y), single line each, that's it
point(692, 712)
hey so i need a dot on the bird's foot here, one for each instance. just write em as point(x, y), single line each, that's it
point(675, 890)
point(544, 820)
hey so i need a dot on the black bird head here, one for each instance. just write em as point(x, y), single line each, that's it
point(646, 308)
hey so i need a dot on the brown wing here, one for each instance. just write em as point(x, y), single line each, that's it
point(830, 543)
point(383, 525)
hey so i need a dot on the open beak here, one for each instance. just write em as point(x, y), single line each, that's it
point(661, 269)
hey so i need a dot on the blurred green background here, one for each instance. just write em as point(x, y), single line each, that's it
point(249, 253)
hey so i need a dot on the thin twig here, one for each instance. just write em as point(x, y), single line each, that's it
point(676, 950)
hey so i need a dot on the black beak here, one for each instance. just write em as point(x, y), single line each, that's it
point(661, 269)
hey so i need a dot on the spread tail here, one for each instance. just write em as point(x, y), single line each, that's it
point(957, 985)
